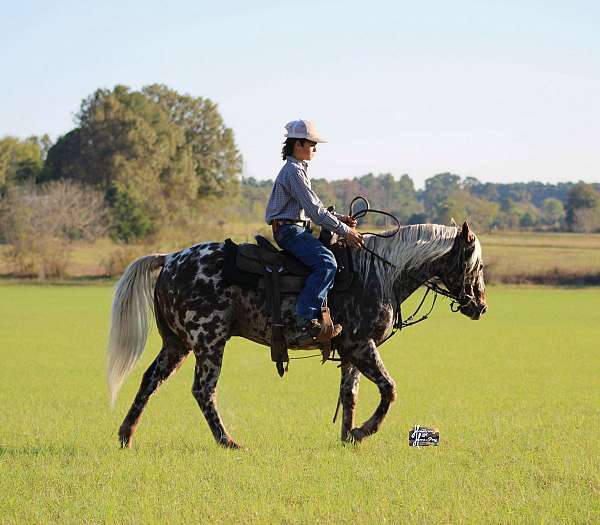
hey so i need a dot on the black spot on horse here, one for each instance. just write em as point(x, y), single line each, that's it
point(186, 271)
point(212, 326)
point(191, 326)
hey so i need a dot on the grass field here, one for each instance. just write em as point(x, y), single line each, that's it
point(540, 257)
point(515, 397)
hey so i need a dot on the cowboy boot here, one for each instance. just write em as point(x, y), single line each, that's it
point(313, 327)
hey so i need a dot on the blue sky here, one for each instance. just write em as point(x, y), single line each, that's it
point(502, 91)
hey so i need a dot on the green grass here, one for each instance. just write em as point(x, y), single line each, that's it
point(515, 397)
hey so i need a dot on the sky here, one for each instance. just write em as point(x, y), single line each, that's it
point(502, 91)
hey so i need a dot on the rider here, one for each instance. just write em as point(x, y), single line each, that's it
point(291, 205)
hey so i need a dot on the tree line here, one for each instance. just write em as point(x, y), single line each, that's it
point(533, 205)
point(139, 165)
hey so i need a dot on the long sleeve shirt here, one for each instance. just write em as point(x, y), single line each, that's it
point(293, 198)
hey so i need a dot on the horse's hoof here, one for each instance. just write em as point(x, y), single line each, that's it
point(229, 443)
point(125, 439)
point(347, 437)
point(357, 435)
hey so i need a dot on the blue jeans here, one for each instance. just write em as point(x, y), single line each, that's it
point(310, 251)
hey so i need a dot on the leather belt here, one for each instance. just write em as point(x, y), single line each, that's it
point(276, 223)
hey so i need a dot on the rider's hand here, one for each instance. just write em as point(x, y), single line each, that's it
point(346, 219)
point(353, 238)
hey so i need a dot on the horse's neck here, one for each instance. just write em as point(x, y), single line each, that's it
point(406, 249)
point(411, 280)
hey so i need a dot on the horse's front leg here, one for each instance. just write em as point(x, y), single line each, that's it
point(348, 397)
point(369, 363)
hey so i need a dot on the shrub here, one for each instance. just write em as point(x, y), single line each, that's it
point(40, 223)
point(115, 263)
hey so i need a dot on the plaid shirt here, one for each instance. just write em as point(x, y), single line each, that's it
point(293, 198)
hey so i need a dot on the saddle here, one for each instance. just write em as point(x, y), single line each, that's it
point(263, 266)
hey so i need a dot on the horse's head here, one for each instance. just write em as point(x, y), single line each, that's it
point(463, 274)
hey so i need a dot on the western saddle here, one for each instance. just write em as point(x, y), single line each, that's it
point(263, 266)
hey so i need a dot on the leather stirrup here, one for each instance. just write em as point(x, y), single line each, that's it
point(327, 329)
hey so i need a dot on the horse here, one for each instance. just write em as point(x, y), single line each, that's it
point(196, 311)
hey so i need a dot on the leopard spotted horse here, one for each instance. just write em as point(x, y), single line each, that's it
point(197, 312)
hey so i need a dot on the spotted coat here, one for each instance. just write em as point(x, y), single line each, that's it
point(195, 312)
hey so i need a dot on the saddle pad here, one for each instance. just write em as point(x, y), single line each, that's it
point(234, 275)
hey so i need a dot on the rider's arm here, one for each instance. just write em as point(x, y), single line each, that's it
point(312, 205)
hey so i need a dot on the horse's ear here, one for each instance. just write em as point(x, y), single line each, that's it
point(467, 234)
point(453, 222)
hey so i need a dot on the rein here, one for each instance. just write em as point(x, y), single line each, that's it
point(431, 286)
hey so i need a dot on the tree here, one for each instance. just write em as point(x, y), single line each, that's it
point(460, 205)
point(371, 187)
point(153, 153)
point(405, 200)
point(129, 215)
point(217, 159)
point(21, 161)
point(124, 144)
point(41, 222)
point(345, 190)
point(528, 220)
point(553, 212)
point(437, 189)
point(324, 190)
point(583, 208)
point(470, 183)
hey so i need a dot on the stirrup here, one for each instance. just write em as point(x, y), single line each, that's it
point(328, 329)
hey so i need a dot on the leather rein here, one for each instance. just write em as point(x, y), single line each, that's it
point(458, 301)
point(431, 286)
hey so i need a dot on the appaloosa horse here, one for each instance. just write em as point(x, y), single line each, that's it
point(196, 312)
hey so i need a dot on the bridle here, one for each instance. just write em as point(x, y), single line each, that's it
point(463, 299)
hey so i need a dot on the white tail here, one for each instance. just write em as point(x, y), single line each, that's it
point(132, 304)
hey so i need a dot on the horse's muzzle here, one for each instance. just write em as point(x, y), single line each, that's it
point(473, 310)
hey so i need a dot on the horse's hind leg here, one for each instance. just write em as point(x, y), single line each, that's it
point(348, 397)
point(209, 359)
point(168, 360)
point(369, 363)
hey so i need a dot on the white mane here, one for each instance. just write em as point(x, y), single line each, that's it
point(413, 246)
